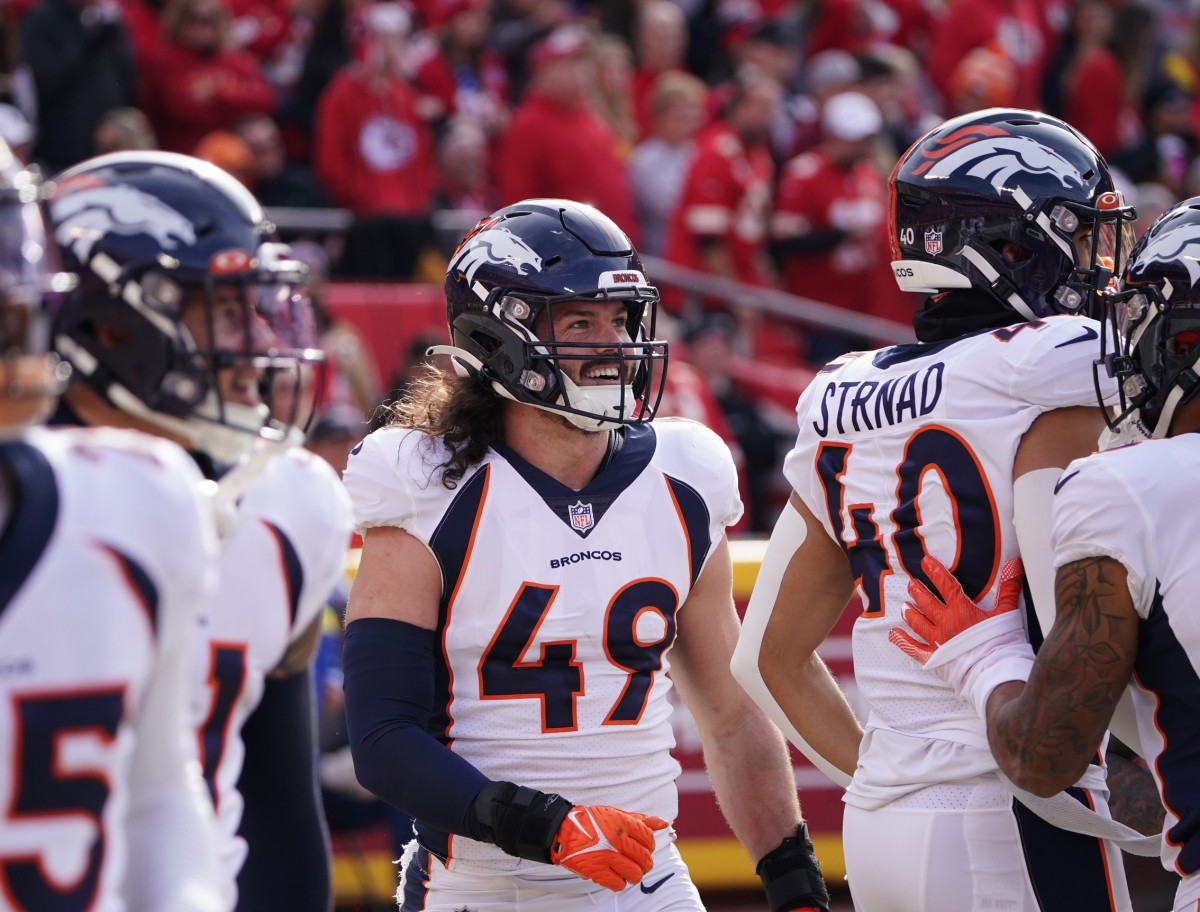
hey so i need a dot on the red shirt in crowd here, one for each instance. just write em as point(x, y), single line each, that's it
point(1017, 29)
point(478, 91)
point(566, 152)
point(186, 95)
point(725, 198)
point(1096, 105)
point(370, 150)
point(816, 196)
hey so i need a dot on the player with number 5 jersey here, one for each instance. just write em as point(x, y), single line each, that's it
point(948, 447)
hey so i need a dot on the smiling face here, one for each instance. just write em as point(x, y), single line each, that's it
point(229, 326)
point(598, 327)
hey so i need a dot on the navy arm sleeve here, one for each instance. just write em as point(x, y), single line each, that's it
point(287, 866)
point(389, 674)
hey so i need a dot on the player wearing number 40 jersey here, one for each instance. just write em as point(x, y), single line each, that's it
point(107, 559)
point(949, 447)
point(540, 566)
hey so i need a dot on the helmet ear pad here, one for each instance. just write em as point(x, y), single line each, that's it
point(504, 356)
point(132, 352)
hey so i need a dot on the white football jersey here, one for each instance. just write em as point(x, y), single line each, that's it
point(558, 607)
point(1137, 505)
point(277, 568)
point(106, 561)
point(908, 451)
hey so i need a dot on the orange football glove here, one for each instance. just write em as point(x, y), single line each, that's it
point(606, 845)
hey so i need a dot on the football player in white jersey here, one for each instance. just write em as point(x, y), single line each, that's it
point(107, 557)
point(1124, 540)
point(948, 447)
point(182, 321)
point(541, 567)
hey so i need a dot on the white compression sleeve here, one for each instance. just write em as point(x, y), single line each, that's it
point(1033, 503)
point(786, 538)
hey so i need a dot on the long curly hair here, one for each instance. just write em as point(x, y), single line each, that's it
point(463, 411)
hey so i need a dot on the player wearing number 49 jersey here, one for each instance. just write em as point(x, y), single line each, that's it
point(948, 447)
point(541, 565)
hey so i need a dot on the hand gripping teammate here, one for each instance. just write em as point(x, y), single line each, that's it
point(1126, 580)
point(948, 447)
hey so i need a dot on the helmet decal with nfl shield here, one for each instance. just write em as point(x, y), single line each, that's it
point(503, 285)
point(174, 317)
point(1155, 320)
point(1015, 204)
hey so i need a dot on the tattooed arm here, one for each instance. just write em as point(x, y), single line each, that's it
point(1044, 732)
point(1133, 796)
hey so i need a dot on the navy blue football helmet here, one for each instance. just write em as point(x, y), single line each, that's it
point(512, 269)
point(970, 189)
point(150, 234)
point(1155, 319)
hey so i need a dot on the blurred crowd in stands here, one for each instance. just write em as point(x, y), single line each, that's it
point(749, 139)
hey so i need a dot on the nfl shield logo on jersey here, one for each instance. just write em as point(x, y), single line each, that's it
point(581, 516)
point(933, 241)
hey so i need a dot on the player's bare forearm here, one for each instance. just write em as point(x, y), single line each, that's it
point(1044, 733)
point(814, 703)
point(1133, 796)
point(752, 779)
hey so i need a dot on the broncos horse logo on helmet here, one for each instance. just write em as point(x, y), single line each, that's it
point(158, 240)
point(88, 211)
point(1024, 208)
point(497, 246)
point(514, 267)
point(995, 155)
point(1176, 246)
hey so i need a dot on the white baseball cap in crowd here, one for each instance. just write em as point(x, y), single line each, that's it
point(851, 116)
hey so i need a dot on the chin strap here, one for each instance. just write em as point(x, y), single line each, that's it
point(233, 484)
point(1000, 286)
point(605, 402)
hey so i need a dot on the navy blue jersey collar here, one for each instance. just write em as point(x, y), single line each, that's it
point(582, 510)
point(35, 505)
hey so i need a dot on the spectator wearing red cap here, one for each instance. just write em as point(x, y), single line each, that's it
point(556, 144)
point(829, 225)
point(372, 153)
point(720, 223)
point(195, 83)
point(458, 68)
